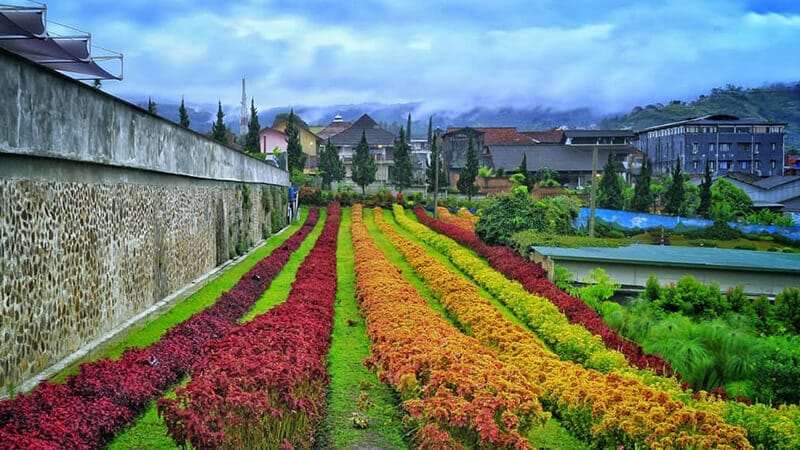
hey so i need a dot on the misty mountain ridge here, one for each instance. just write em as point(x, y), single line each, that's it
point(776, 102)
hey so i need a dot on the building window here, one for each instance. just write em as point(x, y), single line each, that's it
point(743, 164)
point(758, 165)
point(758, 148)
point(724, 147)
point(695, 147)
point(723, 165)
point(772, 164)
point(712, 165)
point(712, 147)
point(695, 164)
point(744, 146)
point(726, 129)
point(742, 129)
point(773, 146)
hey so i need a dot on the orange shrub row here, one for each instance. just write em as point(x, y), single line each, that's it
point(456, 392)
point(604, 409)
point(460, 220)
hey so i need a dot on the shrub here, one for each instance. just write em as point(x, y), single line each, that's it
point(778, 361)
point(310, 196)
point(507, 214)
point(787, 307)
point(524, 240)
point(693, 298)
point(720, 230)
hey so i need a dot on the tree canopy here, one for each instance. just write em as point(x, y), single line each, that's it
point(253, 128)
point(469, 173)
point(676, 192)
point(364, 168)
point(609, 193)
point(331, 165)
point(294, 148)
point(642, 194)
point(218, 131)
point(183, 115)
point(402, 172)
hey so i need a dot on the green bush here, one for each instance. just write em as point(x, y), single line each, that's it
point(787, 307)
point(600, 288)
point(508, 214)
point(693, 298)
point(778, 361)
point(718, 231)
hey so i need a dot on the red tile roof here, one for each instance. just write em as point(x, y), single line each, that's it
point(554, 136)
point(499, 135)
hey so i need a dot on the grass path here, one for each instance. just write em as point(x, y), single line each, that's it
point(149, 430)
point(350, 379)
point(150, 332)
point(551, 435)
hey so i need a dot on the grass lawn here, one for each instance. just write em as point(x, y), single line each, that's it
point(353, 387)
point(148, 333)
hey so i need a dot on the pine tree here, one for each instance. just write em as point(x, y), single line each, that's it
point(430, 130)
point(331, 165)
point(151, 106)
point(218, 131)
point(469, 173)
point(402, 173)
point(642, 194)
point(183, 115)
point(704, 210)
point(253, 128)
point(408, 129)
point(675, 194)
point(609, 193)
point(364, 168)
point(294, 148)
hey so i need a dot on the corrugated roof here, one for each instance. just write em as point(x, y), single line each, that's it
point(599, 133)
point(498, 135)
point(714, 119)
point(700, 257)
point(764, 183)
point(554, 136)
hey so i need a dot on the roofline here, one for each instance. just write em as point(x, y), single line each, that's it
point(693, 119)
point(666, 263)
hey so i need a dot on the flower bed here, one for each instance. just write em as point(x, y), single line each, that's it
point(599, 408)
point(570, 341)
point(457, 220)
point(534, 279)
point(263, 386)
point(93, 405)
point(456, 392)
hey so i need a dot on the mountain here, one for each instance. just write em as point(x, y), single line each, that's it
point(778, 102)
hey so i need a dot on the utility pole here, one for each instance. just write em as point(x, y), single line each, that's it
point(593, 195)
point(435, 183)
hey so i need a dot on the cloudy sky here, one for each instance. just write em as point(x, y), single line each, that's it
point(606, 54)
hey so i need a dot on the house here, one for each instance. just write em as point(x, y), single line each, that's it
point(381, 146)
point(729, 143)
point(568, 152)
point(420, 159)
point(308, 140)
point(777, 191)
point(455, 142)
point(270, 139)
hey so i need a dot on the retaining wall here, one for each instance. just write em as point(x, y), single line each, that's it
point(105, 209)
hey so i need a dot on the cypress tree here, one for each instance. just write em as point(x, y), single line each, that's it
point(403, 171)
point(430, 173)
point(151, 106)
point(642, 195)
point(609, 193)
point(408, 129)
point(294, 148)
point(183, 115)
point(331, 165)
point(364, 168)
point(469, 173)
point(704, 209)
point(430, 130)
point(218, 131)
point(253, 128)
point(675, 194)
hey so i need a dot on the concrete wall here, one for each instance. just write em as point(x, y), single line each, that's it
point(105, 210)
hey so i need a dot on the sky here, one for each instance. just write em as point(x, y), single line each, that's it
point(609, 55)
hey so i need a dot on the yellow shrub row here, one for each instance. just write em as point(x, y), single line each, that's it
point(570, 341)
point(457, 393)
point(604, 409)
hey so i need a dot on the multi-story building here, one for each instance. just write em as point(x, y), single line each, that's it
point(380, 141)
point(728, 143)
point(420, 159)
point(308, 140)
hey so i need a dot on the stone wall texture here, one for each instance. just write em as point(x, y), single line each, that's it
point(79, 259)
point(105, 210)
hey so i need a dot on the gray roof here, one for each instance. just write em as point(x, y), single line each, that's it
point(599, 133)
point(374, 133)
point(558, 157)
point(764, 183)
point(702, 257)
point(715, 119)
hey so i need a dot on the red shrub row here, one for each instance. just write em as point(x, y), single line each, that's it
point(263, 386)
point(93, 405)
point(534, 278)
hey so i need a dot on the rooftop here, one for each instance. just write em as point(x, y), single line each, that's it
point(764, 183)
point(697, 257)
point(554, 136)
point(498, 135)
point(559, 157)
point(715, 119)
point(599, 133)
